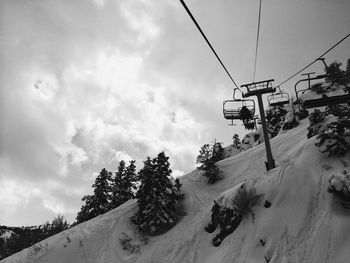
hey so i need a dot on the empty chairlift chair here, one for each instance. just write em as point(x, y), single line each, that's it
point(278, 99)
point(326, 101)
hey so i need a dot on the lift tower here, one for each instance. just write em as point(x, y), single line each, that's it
point(257, 89)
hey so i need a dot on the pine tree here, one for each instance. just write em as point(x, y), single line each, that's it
point(236, 141)
point(123, 184)
point(157, 197)
point(144, 194)
point(102, 192)
point(59, 224)
point(177, 194)
point(99, 202)
point(130, 178)
point(347, 72)
point(335, 73)
point(217, 151)
point(335, 138)
point(86, 211)
point(117, 186)
point(208, 156)
point(274, 118)
point(205, 154)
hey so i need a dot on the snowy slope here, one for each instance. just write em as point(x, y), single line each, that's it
point(304, 224)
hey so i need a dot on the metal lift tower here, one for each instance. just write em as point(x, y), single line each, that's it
point(257, 89)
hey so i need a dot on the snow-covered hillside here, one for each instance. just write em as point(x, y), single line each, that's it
point(305, 223)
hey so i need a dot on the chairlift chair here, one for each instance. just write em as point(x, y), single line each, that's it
point(278, 98)
point(232, 108)
point(326, 101)
point(309, 84)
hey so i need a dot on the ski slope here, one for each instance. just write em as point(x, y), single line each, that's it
point(305, 224)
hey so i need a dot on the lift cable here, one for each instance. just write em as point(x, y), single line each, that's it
point(206, 39)
point(308, 65)
point(257, 42)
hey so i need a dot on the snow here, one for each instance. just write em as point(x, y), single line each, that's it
point(305, 223)
point(226, 198)
point(289, 117)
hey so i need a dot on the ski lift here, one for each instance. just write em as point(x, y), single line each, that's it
point(278, 98)
point(232, 108)
point(309, 83)
point(326, 101)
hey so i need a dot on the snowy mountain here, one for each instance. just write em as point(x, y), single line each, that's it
point(304, 223)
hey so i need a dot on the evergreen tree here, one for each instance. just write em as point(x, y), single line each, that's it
point(157, 197)
point(99, 202)
point(217, 151)
point(205, 154)
point(86, 211)
point(335, 138)
point(123, 184)
point(335, 73)
point(130, 180)
point(59, 224)
point(208, 156)
point(24, 237)
point(102, 192)
point(144, 194)
point(236, 141)
point(347, 72)
point(177, 193)
point(275, 118)
point(117, 186)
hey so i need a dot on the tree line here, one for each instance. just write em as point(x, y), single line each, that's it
point(157, 194)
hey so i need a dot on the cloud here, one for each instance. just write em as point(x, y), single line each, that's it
point(75, 101)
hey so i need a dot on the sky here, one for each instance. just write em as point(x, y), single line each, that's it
point(85, 84)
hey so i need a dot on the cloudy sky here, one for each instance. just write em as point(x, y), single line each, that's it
point(87, 83)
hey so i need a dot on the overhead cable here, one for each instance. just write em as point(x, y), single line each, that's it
point(206, 39)
point(308, 65)
point(257, 42)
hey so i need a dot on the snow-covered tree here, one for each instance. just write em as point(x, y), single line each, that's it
point(99, 202)
point(177, 193)
point(339, 185)
point(130, 179)
point(157, 196)
point(236, 141)
point(339, 110)
point(102, 191)
point(335, 138)
point(335, 73)
point(275, 119)
point(117, 186)
point(316, 117)
point(123, 184)
point(208, 156)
